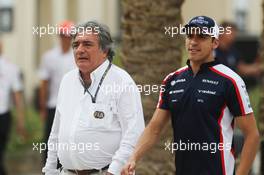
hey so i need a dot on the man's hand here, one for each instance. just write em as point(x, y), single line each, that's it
point(129, 168)
point(248, 126)
point(21, 130)
point(43, 95)
point(20, 123)
point(148, 138)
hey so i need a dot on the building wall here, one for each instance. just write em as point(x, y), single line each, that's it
point(105, 11)
point(226, 10)
point(216, 9)
point(255, 17)
point(25, 49)
point(19, 45)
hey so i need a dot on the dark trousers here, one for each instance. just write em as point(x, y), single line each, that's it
point(48, 126)
point(5, 125)
point(47, 129)
point(262, 158)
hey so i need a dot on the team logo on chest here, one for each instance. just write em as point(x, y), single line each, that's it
point(177, 81)
point(210, 81)
point(173, 83)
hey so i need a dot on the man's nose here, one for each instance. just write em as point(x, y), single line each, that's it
point(79, 49)
point(193, 41)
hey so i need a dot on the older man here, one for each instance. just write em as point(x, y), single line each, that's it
point(95, 127)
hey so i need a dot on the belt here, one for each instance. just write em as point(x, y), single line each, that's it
point(87, 172)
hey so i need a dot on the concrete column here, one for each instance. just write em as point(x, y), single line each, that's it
point(90, 10)
point(20, 44)
point(59, 8)
point(104, 11)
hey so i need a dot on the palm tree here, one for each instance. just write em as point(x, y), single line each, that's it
point(261, 109)
point(149, 53)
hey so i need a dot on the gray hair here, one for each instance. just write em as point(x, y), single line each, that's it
point(104, 37)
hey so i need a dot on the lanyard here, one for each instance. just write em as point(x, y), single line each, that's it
point(99, 85)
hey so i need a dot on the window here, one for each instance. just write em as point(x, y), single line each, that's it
point(6, 15)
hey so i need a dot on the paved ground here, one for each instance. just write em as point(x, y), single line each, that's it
point(29, 163)
point(24, 163)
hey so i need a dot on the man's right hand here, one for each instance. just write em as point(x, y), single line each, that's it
point(148, 138)
point(129, 168)
point(43, 95)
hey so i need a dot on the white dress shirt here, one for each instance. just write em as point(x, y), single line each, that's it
point(109, 140)
point(54, 65)
point(9, 82)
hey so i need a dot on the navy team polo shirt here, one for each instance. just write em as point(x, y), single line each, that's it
point(202, 110)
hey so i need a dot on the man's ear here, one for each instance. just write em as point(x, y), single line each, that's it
point(215, 43)
point(105, 52)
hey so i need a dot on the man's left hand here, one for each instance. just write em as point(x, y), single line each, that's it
point(21, 131)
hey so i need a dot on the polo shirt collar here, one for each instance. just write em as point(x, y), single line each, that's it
point(204, 66)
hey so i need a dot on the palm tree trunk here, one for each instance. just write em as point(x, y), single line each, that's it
point(149, 54)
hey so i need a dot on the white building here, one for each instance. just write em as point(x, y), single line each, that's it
point(24, 48)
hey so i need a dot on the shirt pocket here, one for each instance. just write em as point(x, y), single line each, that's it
point(96, 116)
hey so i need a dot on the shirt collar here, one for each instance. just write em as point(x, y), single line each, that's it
point(205, 65)
point(97, 73)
